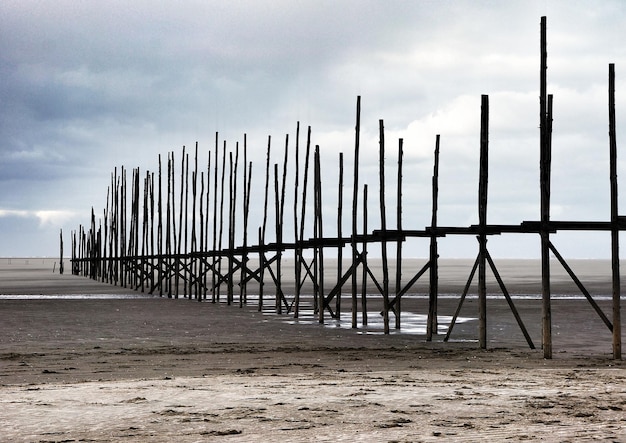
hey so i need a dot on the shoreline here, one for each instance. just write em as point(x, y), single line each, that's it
point(159, 369)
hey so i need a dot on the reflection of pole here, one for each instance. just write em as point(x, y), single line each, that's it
point(482, 217)
point(617, 324)
point(431, 327)
point(545, 199)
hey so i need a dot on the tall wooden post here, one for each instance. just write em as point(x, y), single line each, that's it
point(61, 252)
point(432, 323)
point(247, 170)
point(319, 234)
point(617, 324)
point(305, 182)
point(364, 261)
point(296, 250)
point(339, 234)
point(355, 198)
point(482, 217)
point(544, 173)
point(383, 225)
point(264, 226)
point(214, 275)
point(159, 231)
point(220, 236)
point(279, 237)
point(399, 242)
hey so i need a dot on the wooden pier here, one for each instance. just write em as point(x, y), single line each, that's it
point(178, 238)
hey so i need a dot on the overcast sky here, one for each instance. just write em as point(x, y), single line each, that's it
point(88, 86)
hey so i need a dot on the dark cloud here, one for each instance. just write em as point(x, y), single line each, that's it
point(87, 86)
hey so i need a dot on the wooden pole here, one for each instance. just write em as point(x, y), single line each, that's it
point(305, 182)
point(482, 220)
point(122, 227)
point(61, 252)
point(246, 211)
point(319, 234)
point(214, 274)
point(279, 239)
point(398, 298)
point(277, 303)
point(297, 251)
point(617, 324)
point(339, 234)
point(205, 247)
point(355, 198)
point(193, 273)
point(364, 260)
point(168, 228)
point(189, 278)
point(383, 225)
point(545, 200)
point(432, 323)
point(160, 232)
point(180, 223)
point(243, 276)
point(264, 225)
point(198, 274)
point(221, 230)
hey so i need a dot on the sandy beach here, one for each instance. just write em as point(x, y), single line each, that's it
point(87, 361)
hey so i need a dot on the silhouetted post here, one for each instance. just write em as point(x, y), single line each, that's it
point(398, 298)
point(432, 323)
point(261, 266)
point(482, 220)
point(364, 260)
point(232, 225)
point(319, 235)
point(160, 234)
point(246, 211)
point(61, 252)
point(144, 232)
point(277, 301)
point(296, 250)
point(383, 226)
point(180, 224)
point(152, 250)
point(194, 259)
point(305, 184)
point(264, 225)
point(168, 228)
point(189, 280)
point(355, 198)
point(193, 271)
point(214, 274)
point(279, 228)
point(221, 230)
point(205, 248)
point(544, 173)
point(339, 235)
point(617, 324)
point(243, 275)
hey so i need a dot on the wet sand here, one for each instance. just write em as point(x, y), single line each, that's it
point(77, 368)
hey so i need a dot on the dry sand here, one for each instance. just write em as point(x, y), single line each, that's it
point(101, 368)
